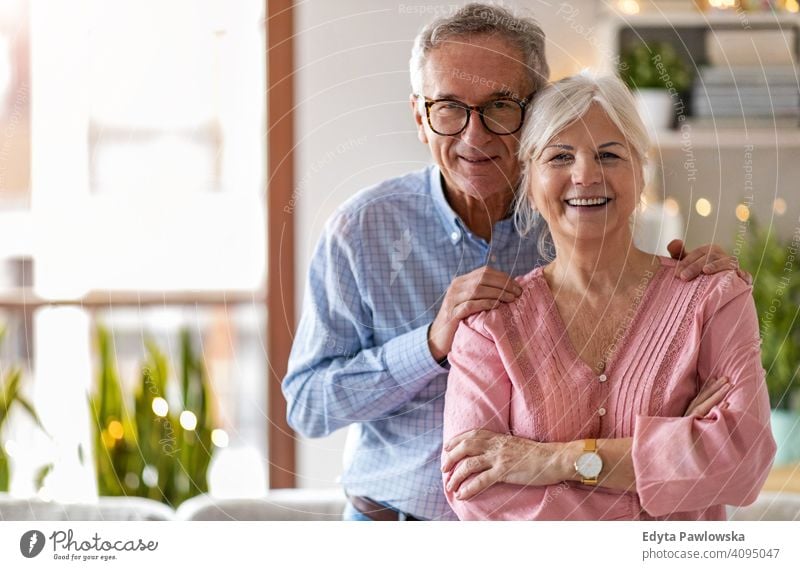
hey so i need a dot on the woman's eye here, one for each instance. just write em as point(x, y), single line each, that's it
point(608, 156)
point(563, 157)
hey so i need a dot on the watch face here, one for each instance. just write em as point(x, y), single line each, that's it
point(589, 465)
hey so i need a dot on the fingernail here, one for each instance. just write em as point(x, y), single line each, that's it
point(685, 274)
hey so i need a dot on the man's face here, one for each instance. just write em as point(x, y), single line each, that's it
point(474, 71)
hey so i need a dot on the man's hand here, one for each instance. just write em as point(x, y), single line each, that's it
point(712, 394)
point(705, 259)
point(468, 294)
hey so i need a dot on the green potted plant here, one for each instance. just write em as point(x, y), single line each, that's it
point(776, 291)
point(658, 76)
point(10, 396)
point(144, 445)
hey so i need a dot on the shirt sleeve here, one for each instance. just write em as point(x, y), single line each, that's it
point(689, 463)
point(478, 397)
point(336, 375)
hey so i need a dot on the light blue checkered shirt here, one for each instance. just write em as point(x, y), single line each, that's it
point(361, 356)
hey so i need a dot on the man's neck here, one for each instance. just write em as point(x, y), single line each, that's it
point(479, 214)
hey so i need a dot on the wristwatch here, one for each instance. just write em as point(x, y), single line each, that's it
point(589, 464)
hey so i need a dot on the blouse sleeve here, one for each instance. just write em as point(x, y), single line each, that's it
point(690, 463)
point(478, 397)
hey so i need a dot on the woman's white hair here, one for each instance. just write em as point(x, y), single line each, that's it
point(556, 107)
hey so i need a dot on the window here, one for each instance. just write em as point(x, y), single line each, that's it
point(145, 211)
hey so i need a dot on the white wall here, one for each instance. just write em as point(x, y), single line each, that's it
point(354, 126)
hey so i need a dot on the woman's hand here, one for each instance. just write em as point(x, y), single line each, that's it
point(712, 394)
point(500, 458)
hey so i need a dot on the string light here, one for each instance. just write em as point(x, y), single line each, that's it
point(115, 429)
point(160, 407)
point(628, 6)
point(219, 437)
point(703, 207)
point(722, 4)
point(742, 213)
point(672, 207)
point(188, 420)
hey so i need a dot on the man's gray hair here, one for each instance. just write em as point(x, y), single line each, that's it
point(478, 19)
point(554, 109)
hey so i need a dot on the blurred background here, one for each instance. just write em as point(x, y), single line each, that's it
point(134, 208)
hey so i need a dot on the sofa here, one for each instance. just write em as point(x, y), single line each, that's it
point(284, 505)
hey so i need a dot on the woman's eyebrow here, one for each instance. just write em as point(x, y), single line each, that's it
point(568, 147)
point(612, 143)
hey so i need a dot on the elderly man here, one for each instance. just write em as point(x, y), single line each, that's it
point(401, 263)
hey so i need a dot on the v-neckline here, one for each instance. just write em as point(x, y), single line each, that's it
point(563, 332)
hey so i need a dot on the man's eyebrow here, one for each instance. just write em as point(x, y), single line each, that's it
point(490, 97)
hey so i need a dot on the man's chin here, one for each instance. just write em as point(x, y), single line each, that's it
point(483, 186)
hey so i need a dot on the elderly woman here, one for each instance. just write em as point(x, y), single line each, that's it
point(632, 394)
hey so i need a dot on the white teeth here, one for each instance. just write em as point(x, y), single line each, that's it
point(587, 201)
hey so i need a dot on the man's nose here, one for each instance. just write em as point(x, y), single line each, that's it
point(476, 135)
point(586, 171)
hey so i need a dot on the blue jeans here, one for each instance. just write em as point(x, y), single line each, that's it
point(353, 514)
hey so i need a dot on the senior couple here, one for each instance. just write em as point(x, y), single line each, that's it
point(492, 336)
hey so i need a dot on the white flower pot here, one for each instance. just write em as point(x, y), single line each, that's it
point(655, 108)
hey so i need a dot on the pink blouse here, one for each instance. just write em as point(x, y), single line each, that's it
point(515, 371)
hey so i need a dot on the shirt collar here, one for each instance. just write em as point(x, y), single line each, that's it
point(455, 227)
point(450, 220)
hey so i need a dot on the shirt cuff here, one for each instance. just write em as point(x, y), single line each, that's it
point(408, 359)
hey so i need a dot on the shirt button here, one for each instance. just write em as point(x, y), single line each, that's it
point(455, 236)
point(493, 258)
point(602, 378)
point(601, 412)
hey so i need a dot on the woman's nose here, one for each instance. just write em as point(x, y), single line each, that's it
point(586, 172)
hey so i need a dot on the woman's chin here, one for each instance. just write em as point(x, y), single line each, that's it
point(591, 233)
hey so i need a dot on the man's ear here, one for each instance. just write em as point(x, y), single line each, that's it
point(418, 119)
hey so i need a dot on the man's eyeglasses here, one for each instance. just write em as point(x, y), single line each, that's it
point(449, 117)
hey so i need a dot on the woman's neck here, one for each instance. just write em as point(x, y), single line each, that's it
point(598, 266)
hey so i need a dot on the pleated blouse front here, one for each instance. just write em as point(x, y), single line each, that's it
point(514, 370)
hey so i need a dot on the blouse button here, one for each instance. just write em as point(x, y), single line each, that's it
point(602, 378)
point(601, 411)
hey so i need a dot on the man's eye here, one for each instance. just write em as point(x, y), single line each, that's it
point(502, 104)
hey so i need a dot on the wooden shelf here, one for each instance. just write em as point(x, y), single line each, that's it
point(704, 138)
point(784, 479)
point(25, 298)
point(705, 19)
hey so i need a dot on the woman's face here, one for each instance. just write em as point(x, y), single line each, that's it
point(587, 181)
